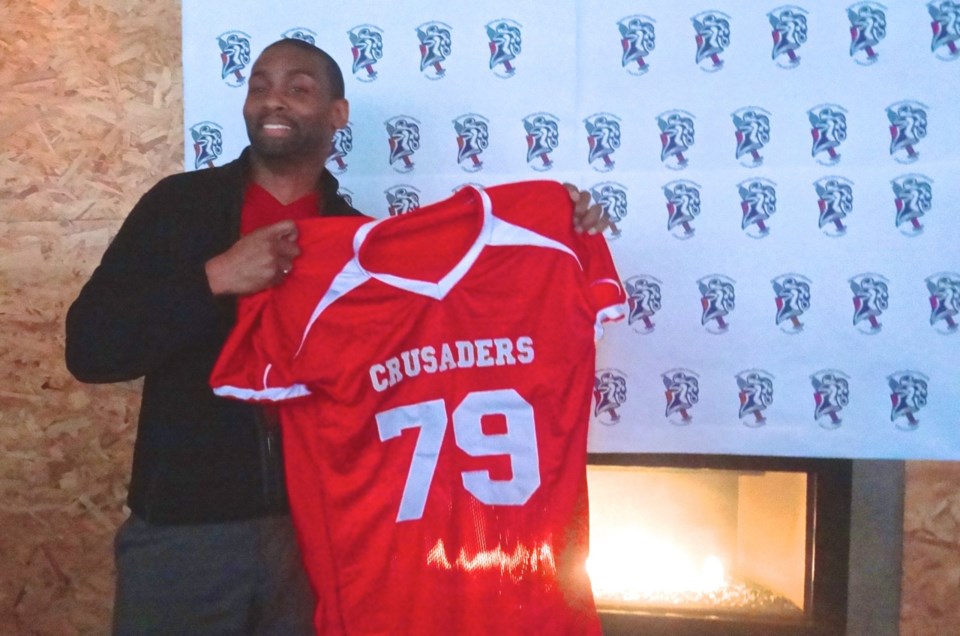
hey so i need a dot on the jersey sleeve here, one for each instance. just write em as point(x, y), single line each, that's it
point(259, 360)
point(255, 362)
point(605, 291)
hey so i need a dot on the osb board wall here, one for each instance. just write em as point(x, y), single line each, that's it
point(90, 117)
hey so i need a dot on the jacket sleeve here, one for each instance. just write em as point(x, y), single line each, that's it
point(149, 298)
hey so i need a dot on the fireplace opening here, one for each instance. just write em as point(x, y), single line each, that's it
point(719, 544)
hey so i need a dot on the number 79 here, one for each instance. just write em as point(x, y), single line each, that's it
point(519, 442)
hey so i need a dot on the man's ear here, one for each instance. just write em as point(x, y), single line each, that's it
point(339, 113)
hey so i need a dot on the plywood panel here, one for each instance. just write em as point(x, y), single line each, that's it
point(91, 116)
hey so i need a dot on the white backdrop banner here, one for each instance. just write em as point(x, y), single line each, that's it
point(783, 180)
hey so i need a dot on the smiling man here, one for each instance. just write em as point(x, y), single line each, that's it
point(209, 548)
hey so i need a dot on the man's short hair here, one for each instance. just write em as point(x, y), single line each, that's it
point(330, 67)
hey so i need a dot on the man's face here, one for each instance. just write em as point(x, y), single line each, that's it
point(288, 111)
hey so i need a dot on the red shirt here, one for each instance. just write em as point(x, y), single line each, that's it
point(260, 208)
point(434, 373)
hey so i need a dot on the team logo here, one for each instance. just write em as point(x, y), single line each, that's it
point(908, 394)
point(543, 137)
point(913, 198)
point(435, 46)
point(944, 291)
point(908, 125)
point(473, 137)
point(643, 299)
point(946, 29)
point(366, 46)
point(347, 196)
point(758, 202)
point(612, 198)
point(789, 34)
point(638, 38)
point(713, 37)
point(792, 294)
point(609, 395)
point(831, 393)
point(753, 133)
point(682, 392)
point(683, 206)
point(505, 43)
point(835, 202)
point(756, 395)
point(871, 297)
point(717, 300)
point(340, 147)
point(828, 126)
point(677, 135)
point(603, 139)
point(207, 144)
point(301, 33)
point(868, 27)
point(403, 134)
point(234, 57)
point(402, 198)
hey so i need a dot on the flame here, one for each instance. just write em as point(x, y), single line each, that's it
point(626, 565)
point(521, 561)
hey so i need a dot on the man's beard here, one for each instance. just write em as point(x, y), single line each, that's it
point(286, 149)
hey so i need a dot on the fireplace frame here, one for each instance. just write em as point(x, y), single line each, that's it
point(829, 488)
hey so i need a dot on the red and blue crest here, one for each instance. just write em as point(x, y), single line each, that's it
point(543, 137)
point(473, 138)
point(234, 57)
point(913, 199)
point(609, 395)
point(207, 144)
point(789, 34)
point(505, 41)
point(792, 295)
point(402, 198)
point(831, 394)
point(638, 38)
point(868, 28)
point(755, 394)
point(403, 137)
point(436, 44)
point(682, 393)
point(683, 207)
point(834, 204)
point(712, 30)
point(718, 299)
point(871, 297)
point(366, 47)
point(909, 392)
point(644, 300)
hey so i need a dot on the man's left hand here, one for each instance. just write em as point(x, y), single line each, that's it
point(586, 217)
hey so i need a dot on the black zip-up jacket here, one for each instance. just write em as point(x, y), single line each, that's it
point(147, 311)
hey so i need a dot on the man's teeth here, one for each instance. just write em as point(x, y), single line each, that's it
point(276, 127)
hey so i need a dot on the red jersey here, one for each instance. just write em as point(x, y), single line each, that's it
point(436, 372)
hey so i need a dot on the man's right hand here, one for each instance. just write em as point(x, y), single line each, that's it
point(259, 260)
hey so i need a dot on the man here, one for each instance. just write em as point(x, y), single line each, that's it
point(209, 547)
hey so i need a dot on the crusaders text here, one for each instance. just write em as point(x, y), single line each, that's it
point(461, 354)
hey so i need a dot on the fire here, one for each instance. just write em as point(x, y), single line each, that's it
point(628, 566)
point(520, 561)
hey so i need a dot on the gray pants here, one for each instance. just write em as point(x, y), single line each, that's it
point(237, 578)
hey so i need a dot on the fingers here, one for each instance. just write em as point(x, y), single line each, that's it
point(586, 217)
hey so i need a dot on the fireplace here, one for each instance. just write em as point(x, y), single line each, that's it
point(719, 544)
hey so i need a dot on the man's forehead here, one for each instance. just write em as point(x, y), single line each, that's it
point(289, 61)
